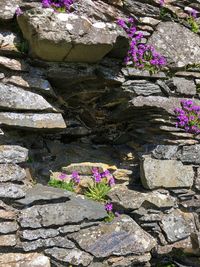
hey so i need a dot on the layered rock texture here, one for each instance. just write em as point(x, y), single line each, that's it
point(69, 103)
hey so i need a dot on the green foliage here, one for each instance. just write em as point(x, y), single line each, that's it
point(69, 186)
point(193, 24)
point(110, 217)
point(98, 192)
point(23, 47)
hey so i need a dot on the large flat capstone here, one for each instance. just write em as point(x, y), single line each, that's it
point(78, 39)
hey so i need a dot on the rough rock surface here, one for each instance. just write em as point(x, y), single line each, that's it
point(73, 116)
point(177, 43)
point(20, 259)
point(78, 38)
point(15, 98)
point(32, 120)
point(121, 237)
point(46, 215)
point(11, 172)
point(168, 174)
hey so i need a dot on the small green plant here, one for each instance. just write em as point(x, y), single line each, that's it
point(23, 47)
point(98, 191)
point(193, 24)
point(69, 186)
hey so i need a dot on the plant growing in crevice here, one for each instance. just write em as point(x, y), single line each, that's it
point(188, 116)
point(111, 215)
point(192, 15)
point(58, 5)
point(102, 185)
point(63, 182)
point(141, 56)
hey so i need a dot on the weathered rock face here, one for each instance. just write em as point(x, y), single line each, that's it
point(78, 39)
point(47, 215)
point(8, 9)
point(32, 120)
point(178, 44)
point(15, 98)
point(168, 174)
point(29, 259)
point(88, 110)
point(122, 237)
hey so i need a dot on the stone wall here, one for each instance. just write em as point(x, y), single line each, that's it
point(67, 101)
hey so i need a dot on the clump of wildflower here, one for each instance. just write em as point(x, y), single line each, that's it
point(162, 2)
point(111, 215)
point(58, 5)
point(108, 207)
point(62, 176)
point(142, 56)
point(18, 12)
point(75, 177)
point(188, 117)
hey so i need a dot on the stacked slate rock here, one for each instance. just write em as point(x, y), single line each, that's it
point(68, 102)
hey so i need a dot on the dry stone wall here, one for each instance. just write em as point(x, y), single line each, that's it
point(68, 102)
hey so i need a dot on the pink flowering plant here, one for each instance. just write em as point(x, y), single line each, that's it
point(103, 182)
point(65, 182)
point(141, 56)
point(188, 116)
point(58, 5)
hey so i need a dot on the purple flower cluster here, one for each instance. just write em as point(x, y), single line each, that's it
point(192, 12)
point(58, 4)
point(188, 117)
point(142, 56)
point(75, 177)
point(106, 175)
point(108, 207)
point(18, 12)
point(162, 2)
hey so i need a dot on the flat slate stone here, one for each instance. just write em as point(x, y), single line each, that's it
point(132, 200)
point(8, 240)
point(177, 43)
point(73, 211)
point(74, 256)
point(165, 173)
point(165, 152)
point(141, 87)
point(182, 85)
point(13, 154)
point(121, 237)
point(43, 193)
point(8, 227)
point(177, 225)
point(31, 82)
point(39, 233)
point(16, 98)
point(13, 64)
point(13, 191)
point(190, 154)
point(24, 259)
point(167, 104)
point(57, 241)
point(11, 172)
point(33, 120)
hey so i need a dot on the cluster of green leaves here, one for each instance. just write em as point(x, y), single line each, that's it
point(193, 24)
point(61, 184)
point(98, 191)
